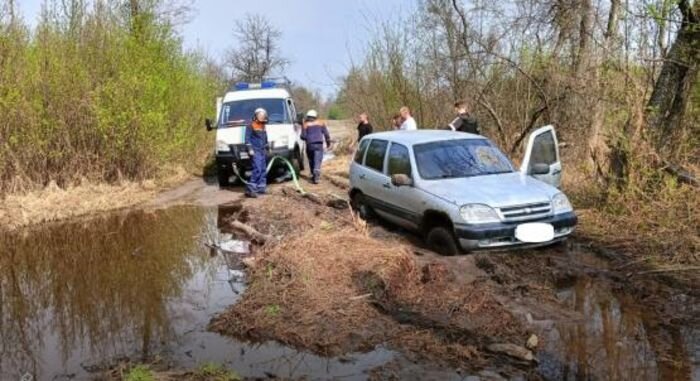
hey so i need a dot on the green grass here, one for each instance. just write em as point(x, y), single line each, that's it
point(214, 372)
point(272, 310)
point(139, 373)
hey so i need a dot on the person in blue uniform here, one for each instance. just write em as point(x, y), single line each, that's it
point(256, 140)
point(315, 134)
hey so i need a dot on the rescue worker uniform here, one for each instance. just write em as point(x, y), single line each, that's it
point(256, 140)
point(315, 133)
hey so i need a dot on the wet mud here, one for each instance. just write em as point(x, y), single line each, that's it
point(77, 298)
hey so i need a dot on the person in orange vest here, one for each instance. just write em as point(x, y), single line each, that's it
point(315, 134)
point(256, 140)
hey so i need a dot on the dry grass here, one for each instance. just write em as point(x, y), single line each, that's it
point(303, 293)
point(54, 203)
point(329, 287)
point(661, 224)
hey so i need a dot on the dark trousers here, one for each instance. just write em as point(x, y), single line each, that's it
point(315, 153)
point(258, 179)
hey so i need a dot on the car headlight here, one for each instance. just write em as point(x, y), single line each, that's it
point(478, 214)
point(561, 204)
point(222, 146)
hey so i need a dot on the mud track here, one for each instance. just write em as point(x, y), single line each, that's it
point(332, 285)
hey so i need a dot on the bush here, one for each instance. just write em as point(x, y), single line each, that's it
point(89, 96)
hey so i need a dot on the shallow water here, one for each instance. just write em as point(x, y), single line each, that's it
point(617, 337)
point(78, 297)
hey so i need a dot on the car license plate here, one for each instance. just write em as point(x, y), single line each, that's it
point(535, 232)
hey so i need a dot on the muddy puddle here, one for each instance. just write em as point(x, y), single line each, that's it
point(76, 298)
point(616, 336)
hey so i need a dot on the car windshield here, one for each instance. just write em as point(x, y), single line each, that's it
point(238, 113)
point(460, 158)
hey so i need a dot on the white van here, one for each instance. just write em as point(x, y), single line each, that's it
point(235, 110)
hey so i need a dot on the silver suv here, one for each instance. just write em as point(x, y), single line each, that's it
point(461, 191)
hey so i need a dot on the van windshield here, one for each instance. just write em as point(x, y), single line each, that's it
point(238, 113)
point(460, 158)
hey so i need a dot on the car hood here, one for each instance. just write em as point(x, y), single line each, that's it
point(494, 190)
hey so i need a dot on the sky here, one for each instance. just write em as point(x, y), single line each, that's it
point(319, 37)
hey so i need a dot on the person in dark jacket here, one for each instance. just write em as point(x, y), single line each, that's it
point(315, 134)
point(256, 140)
point(465, 121)
point(365, 127)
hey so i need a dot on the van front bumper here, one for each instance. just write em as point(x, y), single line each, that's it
point(238, 155)
point(499, 235)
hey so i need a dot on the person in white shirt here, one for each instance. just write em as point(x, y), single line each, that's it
point(409, 124)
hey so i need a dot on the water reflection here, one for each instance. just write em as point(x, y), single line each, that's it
point(76, 297)
point(100, 287)
point(617, 339)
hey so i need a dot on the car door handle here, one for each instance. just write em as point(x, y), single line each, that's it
point(556, 172)
point(362, 177)
point(387, 185)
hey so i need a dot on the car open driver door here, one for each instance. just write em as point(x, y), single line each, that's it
point(541, 159)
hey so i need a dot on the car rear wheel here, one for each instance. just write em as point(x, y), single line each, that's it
point(442, 241)
point(359, 205)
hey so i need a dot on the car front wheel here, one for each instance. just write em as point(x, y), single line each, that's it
point(442, 241)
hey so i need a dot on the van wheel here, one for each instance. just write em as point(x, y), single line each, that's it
point(442, 241)
point(359, 205)
point(223, 176)
point(297, 160)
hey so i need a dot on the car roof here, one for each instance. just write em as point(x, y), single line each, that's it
point(256, 94)
point(421, 136)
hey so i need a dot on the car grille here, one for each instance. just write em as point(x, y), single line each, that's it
point(526, 212)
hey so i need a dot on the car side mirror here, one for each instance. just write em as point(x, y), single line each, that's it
point(401, 180)
point(208, 124)
point(539, 169)
point(300, 118)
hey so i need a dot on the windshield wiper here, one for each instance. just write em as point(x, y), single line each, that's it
point(497, 173)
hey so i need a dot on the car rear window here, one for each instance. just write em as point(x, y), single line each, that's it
point(361, 151)
point(399, 160)
point(375, 155)
point(459, 158)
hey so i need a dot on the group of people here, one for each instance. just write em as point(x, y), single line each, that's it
point(315, 133)
point(404, 121)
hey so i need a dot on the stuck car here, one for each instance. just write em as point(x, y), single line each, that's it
point(235, 110)
point(461, 191)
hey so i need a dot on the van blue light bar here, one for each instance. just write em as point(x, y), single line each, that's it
point(251, 86)
point(266, 84)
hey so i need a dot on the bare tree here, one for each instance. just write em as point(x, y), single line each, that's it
point(258, 54)
point(678, 75)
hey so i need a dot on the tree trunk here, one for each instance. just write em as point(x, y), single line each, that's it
point(585, 32)
point(134, 13)
point(678, 75)
point(598, 146)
